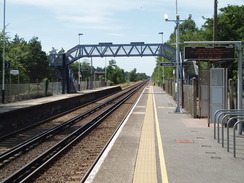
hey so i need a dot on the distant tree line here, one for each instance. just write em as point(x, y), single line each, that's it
point(114, 74)
point(230, 27)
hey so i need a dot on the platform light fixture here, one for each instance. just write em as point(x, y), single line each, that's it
point(105, 43)
point(137, 43)
point(166, 18)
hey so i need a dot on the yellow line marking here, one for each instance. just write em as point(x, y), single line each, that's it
point(164, 174)
point(138, 113)
point(145, 169)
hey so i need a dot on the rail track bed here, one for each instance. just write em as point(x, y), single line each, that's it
point(67, 146)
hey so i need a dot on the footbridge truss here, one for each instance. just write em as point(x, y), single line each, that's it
point(113, 50)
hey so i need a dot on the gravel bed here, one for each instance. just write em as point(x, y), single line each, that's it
point(88, 148)
point(75, 163)
point(9, 143)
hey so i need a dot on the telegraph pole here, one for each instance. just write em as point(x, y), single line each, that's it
point(215, 20)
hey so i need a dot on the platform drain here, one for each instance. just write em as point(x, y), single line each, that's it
point(184, 141)
point(206, 146)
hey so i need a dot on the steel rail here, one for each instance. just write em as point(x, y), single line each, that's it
point(104, 148)
point(31, 143)
point(29, 170)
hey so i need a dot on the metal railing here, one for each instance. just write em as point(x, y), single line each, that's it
point(27, 91)
point(221, 112)
point(234, 137)
point(235, 114)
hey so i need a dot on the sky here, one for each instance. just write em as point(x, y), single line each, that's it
point(57, 23)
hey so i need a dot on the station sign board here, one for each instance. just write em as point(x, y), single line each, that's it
point(99, 73)
point(84, 69)
point(168, 64)
point(14, 72)
point(210, 53)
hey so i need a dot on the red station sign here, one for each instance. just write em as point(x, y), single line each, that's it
point(99, 73)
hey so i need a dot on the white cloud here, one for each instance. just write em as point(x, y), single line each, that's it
point(102, 12)
point(94, 14)
point(85, 19)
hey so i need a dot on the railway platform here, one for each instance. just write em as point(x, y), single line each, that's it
point(18, 115)
point(34, 102)
point(154, 144)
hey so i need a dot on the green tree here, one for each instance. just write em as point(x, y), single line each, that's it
point(230, 27)
point(37, 63)
point(28, 58)
point(133, 76)
point(114, 73)
point(17, 55)
point(142, 76)
point(230, 24)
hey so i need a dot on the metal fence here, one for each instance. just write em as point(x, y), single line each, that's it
point(189, 98)
point(20, 92)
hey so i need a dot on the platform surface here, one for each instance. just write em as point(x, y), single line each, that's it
point(154, 144)
point(28, 103)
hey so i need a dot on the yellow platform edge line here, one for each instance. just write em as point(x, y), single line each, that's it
point(164, 174)
point(145, 167)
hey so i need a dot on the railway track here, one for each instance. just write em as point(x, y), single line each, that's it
point(16, 138)
point(53, 146)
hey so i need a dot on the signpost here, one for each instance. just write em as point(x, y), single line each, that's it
point(99, 73)
point(7, 64)
point(168, 64)
point(84, 69)
point(14, 72)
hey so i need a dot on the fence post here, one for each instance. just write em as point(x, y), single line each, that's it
point(194, 98)
point(231, 94)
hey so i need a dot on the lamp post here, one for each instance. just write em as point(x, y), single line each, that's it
point(3, 71)
point(162, 52)
point(105, 71)
point(80, 34)
point(177, 22)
